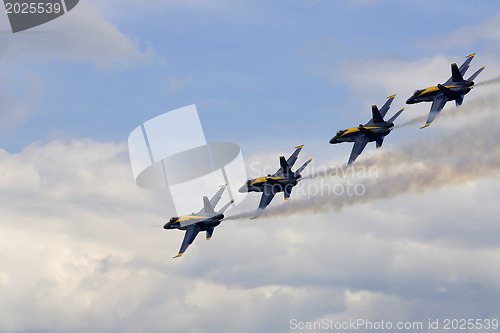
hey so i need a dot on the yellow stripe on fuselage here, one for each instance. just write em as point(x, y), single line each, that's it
point(265, 179)
point(191, 217)
point(354, 130)
point(431, 89)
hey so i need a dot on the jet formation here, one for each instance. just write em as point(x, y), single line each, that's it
point(205, 220)
point(284, 179)
point(374, 130)
point(452, 90)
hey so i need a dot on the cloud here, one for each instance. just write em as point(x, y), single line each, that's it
point(466, 36)
point(79, 255)
point(82, 35)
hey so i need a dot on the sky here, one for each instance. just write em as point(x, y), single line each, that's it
point(81, 245)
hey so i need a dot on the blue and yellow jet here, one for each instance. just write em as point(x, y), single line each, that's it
point(282, 180)
point(374, 130)
point(452, 90)
point(205, 220)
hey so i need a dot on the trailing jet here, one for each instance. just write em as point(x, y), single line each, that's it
point(452, 90)
point(374, 130)
point(282, 180)
point(205, 220)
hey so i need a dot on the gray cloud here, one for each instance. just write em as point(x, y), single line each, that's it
point(78, 256)
point(82, 35)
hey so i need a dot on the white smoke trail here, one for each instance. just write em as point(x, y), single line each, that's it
point(466, 154)
point(495, 80)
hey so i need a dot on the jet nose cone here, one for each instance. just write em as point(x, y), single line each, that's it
point(243, 189)
point(167, 225)
point(410, 101)
point(333, 140)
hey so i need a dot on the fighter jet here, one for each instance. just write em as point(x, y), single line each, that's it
point(374, 130)
point(282, 180)
point(453, 89)
point(205, 220)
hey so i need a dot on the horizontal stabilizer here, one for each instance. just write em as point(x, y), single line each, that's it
point(473, 76)
point(226, 206)
point(299, 170)
point(459, 100)
point(393, 118)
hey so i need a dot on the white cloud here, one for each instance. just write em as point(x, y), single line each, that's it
point(466, 36)
point(79, 255)
point(82, 34)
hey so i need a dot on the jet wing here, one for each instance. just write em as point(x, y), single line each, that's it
point(267, 196)
point(358, 147)
point(191, 233)
point(436, 107)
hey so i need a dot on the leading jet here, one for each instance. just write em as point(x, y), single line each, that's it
point(374, 130)
point(205, 220)
point(452, 90)
point(282, 180)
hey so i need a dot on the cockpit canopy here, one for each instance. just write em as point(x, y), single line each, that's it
point(339, 133)
point(418, 92)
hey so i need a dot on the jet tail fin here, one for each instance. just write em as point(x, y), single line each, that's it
point(383, 110)
point(299, 170)
point(395, 115)
point(285, 168)
point(226, 206)
point(207, 206)
point(377, 117)
point(473, 76)
point(456, 76)
point(215, 199)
